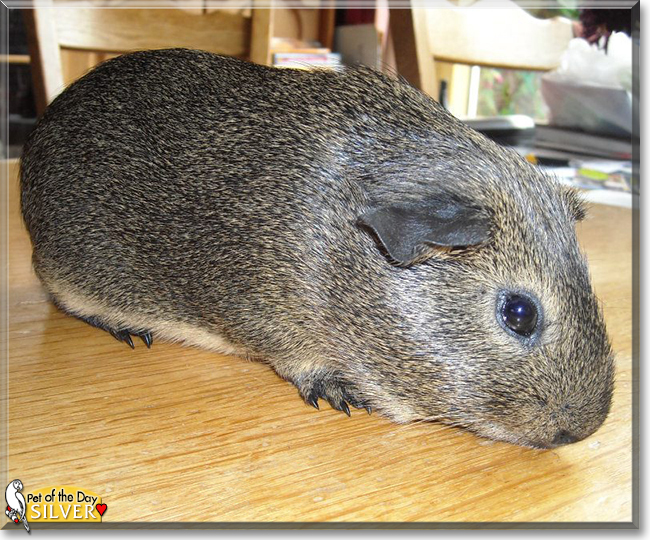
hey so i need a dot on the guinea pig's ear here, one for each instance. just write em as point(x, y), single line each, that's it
point(406, 231)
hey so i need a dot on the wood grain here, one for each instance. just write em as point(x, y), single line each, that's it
point(261, 34)
point(45, 56)
point(119, 30)
point(509, 38)
point(175, 434)
point(413, 57)
point(14, 58)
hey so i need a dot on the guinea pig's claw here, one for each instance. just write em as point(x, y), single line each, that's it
point(335, 390)
point(123, 335)
point(148, 340)
point(313, 401)
point(345, 408)
point(355, 402)
point(339, 406)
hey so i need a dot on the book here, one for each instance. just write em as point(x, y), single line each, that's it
point(307, 60)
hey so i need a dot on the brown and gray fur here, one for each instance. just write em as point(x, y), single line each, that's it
point(218, 203)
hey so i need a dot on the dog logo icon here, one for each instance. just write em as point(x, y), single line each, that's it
point(16, 506)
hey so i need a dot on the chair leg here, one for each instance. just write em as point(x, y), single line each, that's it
point(261, 34)
point(413, 58)
point(45, 55)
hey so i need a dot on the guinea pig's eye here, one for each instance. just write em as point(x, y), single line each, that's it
point(519, 314)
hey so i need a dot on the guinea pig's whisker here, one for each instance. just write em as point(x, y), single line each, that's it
point(434, 418)
point(419, 421)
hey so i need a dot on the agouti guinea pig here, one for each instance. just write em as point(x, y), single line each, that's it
point(340, 226)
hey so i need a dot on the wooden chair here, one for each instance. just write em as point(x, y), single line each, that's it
point(51, 30)
point(477, 34)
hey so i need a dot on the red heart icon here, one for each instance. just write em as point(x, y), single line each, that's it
point(101, 508)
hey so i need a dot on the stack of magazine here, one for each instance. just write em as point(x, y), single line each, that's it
point(301, 55)
point(592, 161)
point(581, 142)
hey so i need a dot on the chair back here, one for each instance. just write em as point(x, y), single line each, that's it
point(52, 31)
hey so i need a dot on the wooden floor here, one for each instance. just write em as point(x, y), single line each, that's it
point(176, 434)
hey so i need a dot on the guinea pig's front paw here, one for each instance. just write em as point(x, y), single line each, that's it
point(125, 336)
point(333, 388)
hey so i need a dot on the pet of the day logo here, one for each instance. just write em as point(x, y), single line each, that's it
point(54, 504)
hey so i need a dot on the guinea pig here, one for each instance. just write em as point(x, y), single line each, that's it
point(340, 226)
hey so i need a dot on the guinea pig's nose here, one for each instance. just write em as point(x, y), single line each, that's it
point(564, 437)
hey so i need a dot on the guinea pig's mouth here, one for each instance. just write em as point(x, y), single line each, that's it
point(561, 437)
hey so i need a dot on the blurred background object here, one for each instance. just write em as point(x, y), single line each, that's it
point(532, 82)
point(21, 107)
point(478, 61)
point(596, 24)
point(591, 89)
point(98, 34)
point(52, 46)
point(492, 58)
